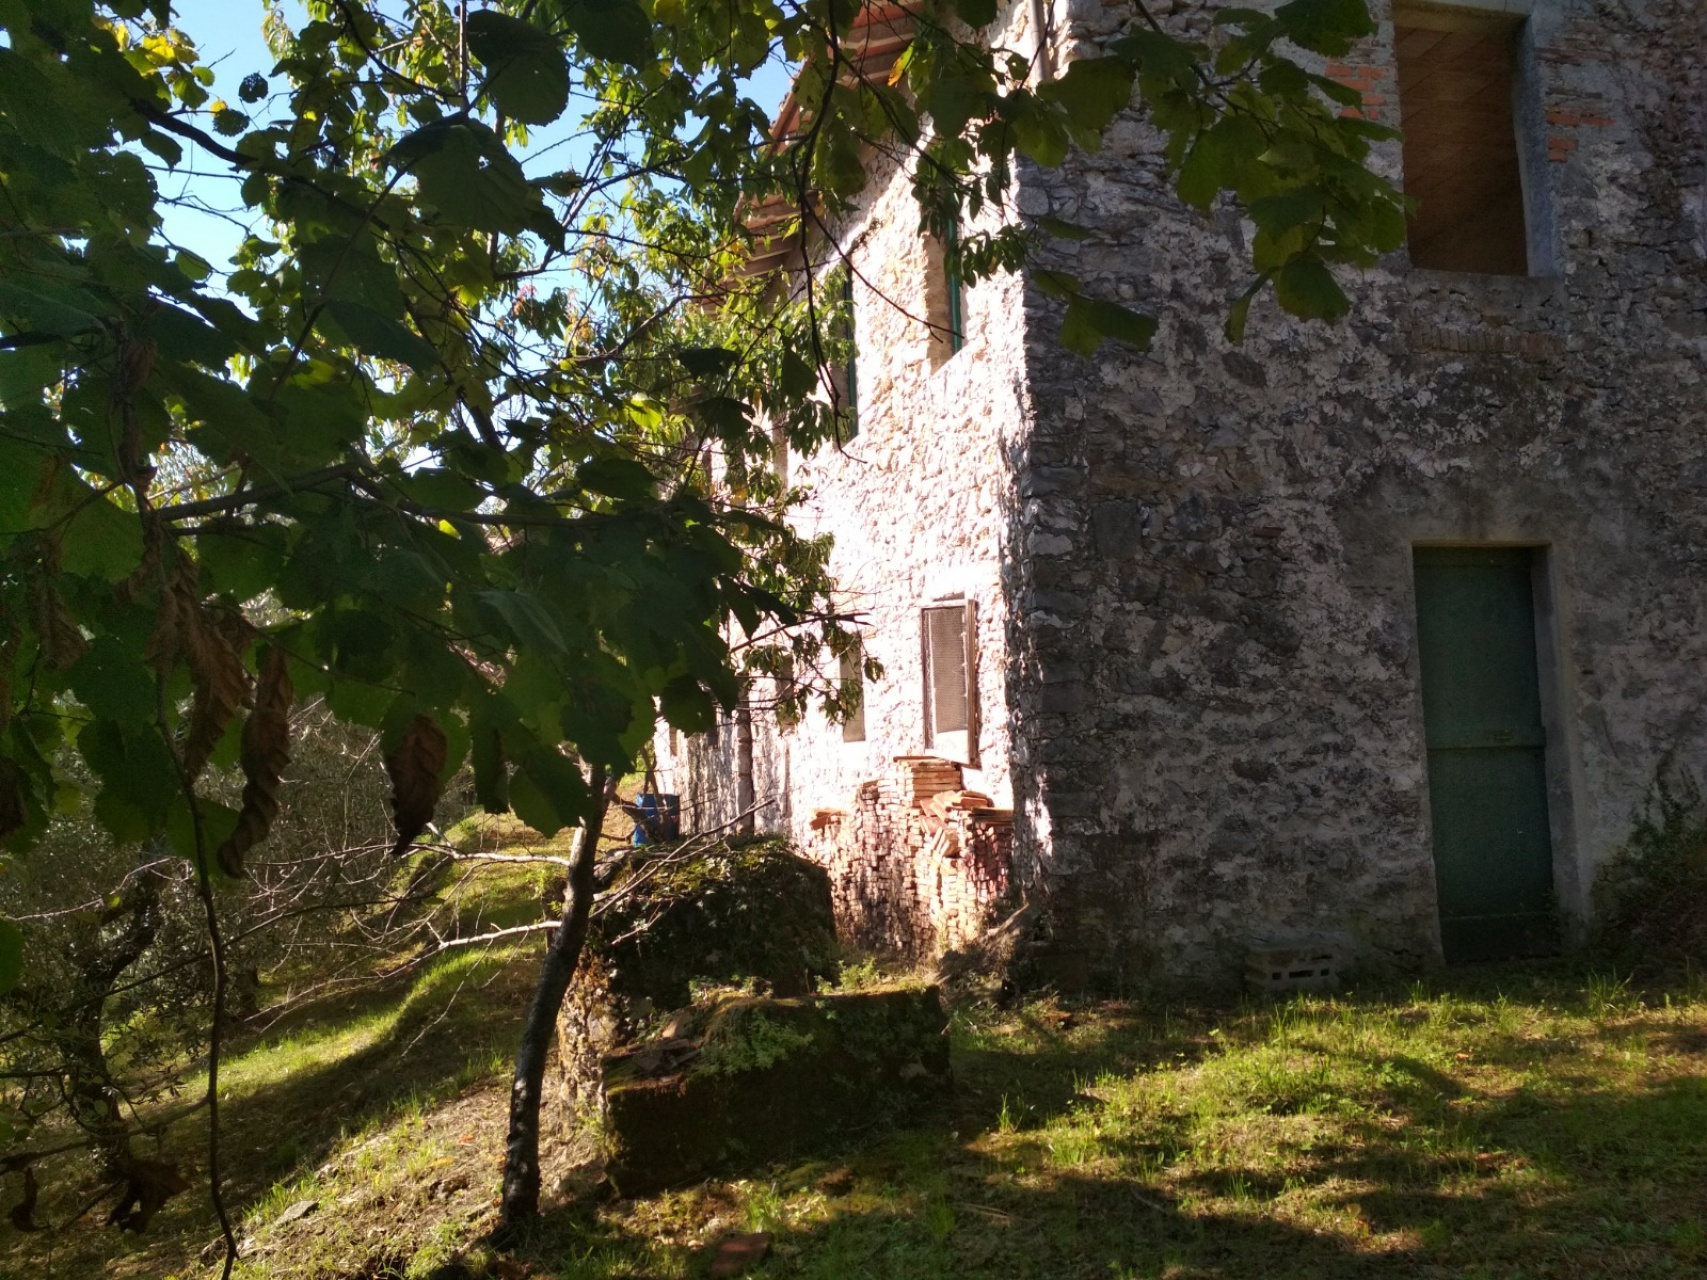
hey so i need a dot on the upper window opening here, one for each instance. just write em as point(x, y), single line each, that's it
point(943, 296)
point(1457, 70)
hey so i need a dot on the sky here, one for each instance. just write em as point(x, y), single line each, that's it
point(228, 35)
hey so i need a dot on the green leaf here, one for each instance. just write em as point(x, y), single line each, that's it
point(976, 13)
point(11, 955)
point(724, 413)
point(166, 148)
point(139, 781)
point(525, 618)
point(465, 172)
point(687, 706)
point(836, 164)
point(1055, 284)
point(1093, 92)
point(103, 541)
point(486, 743)
point(1240, 311)
point(379, 335)
point(1327, 27)
point(22, 466)
point(112, 683)
point(34, 312)
point(1298, 207)
point(614, 30)
point(1337, 91)
point(28, 101)
point(548, 792)
point(708, 362)
point(1062, 229)
point(621, 478)
point(1089, 320)
point(527, 75)
point(218, 822)
point(1306, 287)
point(241, 563)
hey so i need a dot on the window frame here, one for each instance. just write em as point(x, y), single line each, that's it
point(853, 672)
point(968, 610)
point(1511, 23)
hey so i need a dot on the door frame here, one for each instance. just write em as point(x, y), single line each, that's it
point(1572, 882)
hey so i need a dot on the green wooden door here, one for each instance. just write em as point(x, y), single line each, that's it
point(1487, 782)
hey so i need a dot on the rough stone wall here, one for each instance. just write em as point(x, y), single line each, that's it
point(1217, 721)
point(917, 864)
point(918, 504)
point(1197, 562)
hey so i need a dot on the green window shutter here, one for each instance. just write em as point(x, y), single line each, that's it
point(951, 272)
point(852, 368)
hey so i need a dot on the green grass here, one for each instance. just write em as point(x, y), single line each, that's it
point(1519, 1123)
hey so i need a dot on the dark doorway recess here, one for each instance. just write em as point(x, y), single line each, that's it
point(1487, 775)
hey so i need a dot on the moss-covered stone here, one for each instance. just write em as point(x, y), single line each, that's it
point(752, 916)
point(768, 1079)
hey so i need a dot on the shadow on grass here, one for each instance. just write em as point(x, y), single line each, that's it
point(1518, 1166)
point(921, 1206)
point(434, 1033)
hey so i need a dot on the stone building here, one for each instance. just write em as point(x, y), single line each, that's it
point(1371, 635)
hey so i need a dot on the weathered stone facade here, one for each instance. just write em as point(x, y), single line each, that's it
point(1199, 673)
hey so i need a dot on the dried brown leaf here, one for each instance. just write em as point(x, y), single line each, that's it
point(266, 752)
point(62, 643)
point(221, 683)
point(166, 639)
point(413, 766)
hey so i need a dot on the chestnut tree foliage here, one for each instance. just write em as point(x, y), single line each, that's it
point(434, 446)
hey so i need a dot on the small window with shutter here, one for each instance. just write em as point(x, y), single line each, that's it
point(949, 635)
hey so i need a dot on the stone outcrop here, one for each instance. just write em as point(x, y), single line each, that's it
point(766, 1080)
point(704, 912)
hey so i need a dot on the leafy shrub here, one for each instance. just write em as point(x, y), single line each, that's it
point(1651, 897)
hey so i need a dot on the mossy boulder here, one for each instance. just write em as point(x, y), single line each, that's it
point(752, 916)
point(760, 1080)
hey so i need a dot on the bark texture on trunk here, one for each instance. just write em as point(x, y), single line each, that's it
point(521, 1153)
point(744, 768)
point(100, 962)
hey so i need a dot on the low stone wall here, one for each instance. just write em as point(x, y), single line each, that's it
point(918, 863)
point(768, 1080)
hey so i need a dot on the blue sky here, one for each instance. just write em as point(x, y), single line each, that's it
point(228, 34)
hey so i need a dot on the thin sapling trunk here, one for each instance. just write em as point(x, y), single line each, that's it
point(521, 1152)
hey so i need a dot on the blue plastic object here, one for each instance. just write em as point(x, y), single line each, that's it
point(662, 812)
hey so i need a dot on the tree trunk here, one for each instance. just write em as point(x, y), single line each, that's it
point(744, 767)
point(100, 962)
point(521, 1153)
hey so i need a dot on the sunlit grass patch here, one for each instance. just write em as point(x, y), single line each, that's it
point(1520, 1124)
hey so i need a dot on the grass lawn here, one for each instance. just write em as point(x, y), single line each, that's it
point(1516, 1123)
point(1522, 1122)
